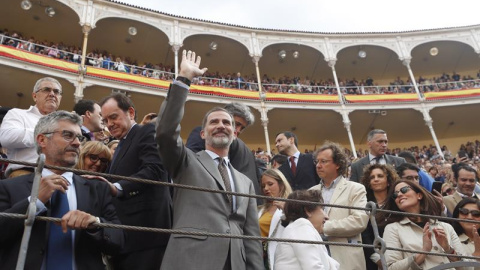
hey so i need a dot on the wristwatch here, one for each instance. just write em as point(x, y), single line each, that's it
point(184, 80)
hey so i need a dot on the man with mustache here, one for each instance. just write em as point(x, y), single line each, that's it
point(204, 211)
point(16, 131)
point(79, 202)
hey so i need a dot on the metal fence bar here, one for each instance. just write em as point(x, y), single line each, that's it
point(31, 211)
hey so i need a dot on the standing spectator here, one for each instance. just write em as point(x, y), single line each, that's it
point(119, 65)
point(305, 222)
point(16, 131)
point(377, 144)
point(300, 170)
point(344, 224)
point(201, 211)
point(137, 204)
point(425, 179)
point(274, 184)
point(91, 115)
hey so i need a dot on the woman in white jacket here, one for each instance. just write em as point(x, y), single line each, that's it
point(305, 223)
point(274, 184)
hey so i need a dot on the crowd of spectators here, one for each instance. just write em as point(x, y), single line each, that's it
point(284, 84)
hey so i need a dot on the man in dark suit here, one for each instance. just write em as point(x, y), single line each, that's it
point(300, 169)
point(91, 116)
point(239, 154)
point(137, 204)
point(203, 211)
point(377, 145)
point(58, 136)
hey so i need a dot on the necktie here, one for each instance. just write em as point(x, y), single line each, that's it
point(60, 248)
point(119, 146)
point(293, 165)
point(377, 159)
point(226, 179)
point(92, 136)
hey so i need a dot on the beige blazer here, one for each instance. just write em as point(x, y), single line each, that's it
point(346, 225)
point(451, 201)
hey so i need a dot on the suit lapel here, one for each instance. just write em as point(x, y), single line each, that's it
point(211, 167)
point(239, 187)
point(82, 191)
point(339, 189)
point(125, 146)
point(300, 163)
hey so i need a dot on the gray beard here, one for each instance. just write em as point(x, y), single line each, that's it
point(221, 143)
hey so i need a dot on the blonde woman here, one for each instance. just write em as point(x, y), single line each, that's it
point(274, 184)
point(94, 157)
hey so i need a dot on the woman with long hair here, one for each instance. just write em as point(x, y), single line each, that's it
point(416, 233)
point(377, 179)
point(274, 184)
point(468, 208)
point(305, 222)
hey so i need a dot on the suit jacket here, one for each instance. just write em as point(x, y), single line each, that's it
point(93, 197)
point(306, 175)
point(203, 211)
point(359, 165)
point(451, 201)
point(239, 154)
point(346, 225)
point(142, 204)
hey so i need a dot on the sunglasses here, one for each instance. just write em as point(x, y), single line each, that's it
point(95, 158)
point(465, 211)
point(403, 190)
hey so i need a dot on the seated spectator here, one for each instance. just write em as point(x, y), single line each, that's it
point(416, 233)
point(447, 189)
point(274, 184)
point(377, 179)
point(305, 222)
point(119, 65)
point(94, 156)
point(468, 208)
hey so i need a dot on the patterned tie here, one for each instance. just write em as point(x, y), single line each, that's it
point(377, 159)
point(226, 179)
point(60, 248)
point(293, 165)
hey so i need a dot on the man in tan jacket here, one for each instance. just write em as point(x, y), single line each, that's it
point(466, 179)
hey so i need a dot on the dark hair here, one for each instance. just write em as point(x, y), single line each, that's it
point(217, 109)
point(280, 159)
point(123, 102)
point(294, 210)
point(466, 167)
point(429, 205)
point(338, 156)
point(456, 213)
point(83, 106)
point(389, 172)
point(406, 166)
point(408, 156)
point(289, 135)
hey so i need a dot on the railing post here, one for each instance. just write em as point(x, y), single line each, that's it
point(379, 244)
point(31, 211)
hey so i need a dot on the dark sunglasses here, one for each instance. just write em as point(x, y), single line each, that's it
point(95, 158)
point(465, 211)
point(403, 190)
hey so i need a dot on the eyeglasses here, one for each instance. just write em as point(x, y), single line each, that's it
point(411, 177)
point(68, 136)
point(47, 90)
point(465, 211)
point(94, 158)
point(323, 161)
point(403, 190)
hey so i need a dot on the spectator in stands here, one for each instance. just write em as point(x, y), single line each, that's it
point(278, 160)
point(415, 233)
point(91, 115)
point(424, 178)
point(112, 145)
point(274, 184)
point(467, 208)
point(447, 189)
point(409, 172)
point(377, 144)
point(466, 178)
point(79, 202)
point(377, 179)
point(94, 157)
point(119, 65)
point(305, 222)
point(300, 170)
point(16, 131)
point(344, 224)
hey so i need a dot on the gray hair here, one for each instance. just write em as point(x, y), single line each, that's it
point(374, 132)
point(49, 123)
point(48, 79)
point(241, 110)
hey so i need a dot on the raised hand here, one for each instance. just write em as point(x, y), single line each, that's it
point(190, 66)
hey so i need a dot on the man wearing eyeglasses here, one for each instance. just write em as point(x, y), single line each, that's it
point(62, 194)
point(16, 131)
point(466, 178)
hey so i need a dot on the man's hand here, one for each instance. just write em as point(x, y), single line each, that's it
point(148, 118)
point(49, 184)
point(77, 219)
point(190, 68)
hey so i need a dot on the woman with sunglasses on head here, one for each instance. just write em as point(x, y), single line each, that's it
point(416, 233)
point(468, 208)
point(274, 184)
point(377, 178)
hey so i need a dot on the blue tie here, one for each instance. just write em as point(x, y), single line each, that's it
point(60, 248)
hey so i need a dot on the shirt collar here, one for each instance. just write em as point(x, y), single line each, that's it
point(129, 131)
point(372, 157)
point(334, 183)
point(84, 128)
point(297, 155)
point(214, 156)
point(66, 175)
